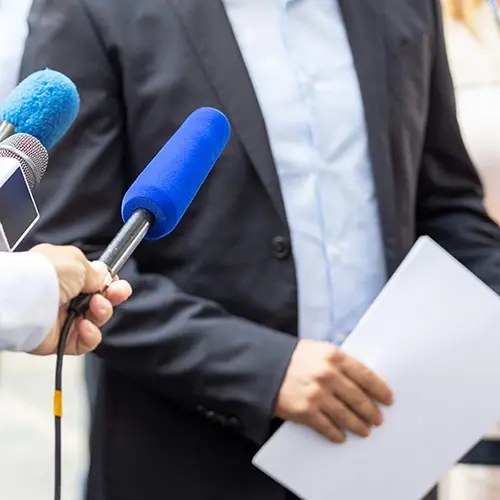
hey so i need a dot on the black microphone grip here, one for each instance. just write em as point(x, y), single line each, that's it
point(117, 253)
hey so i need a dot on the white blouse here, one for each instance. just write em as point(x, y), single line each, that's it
point(29, 300)
point(475, 66)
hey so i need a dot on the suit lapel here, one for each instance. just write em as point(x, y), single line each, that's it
point(365, 28)
point(210, 32)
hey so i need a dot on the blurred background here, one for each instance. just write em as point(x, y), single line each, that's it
point(27, 428)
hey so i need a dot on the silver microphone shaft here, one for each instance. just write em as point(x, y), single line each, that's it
point(118, 251)
point(127, 240)
point(6, 130)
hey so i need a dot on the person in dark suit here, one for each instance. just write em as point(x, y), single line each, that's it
point(345, 149)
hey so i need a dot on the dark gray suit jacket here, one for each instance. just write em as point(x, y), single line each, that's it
point(195, 359)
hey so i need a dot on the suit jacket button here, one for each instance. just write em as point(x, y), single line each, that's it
point(234, 423)
point(221, 420)
point(282, 247)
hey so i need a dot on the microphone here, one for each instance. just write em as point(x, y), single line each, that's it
point(155, 203)
point(44, 105)
point(23, 161)
point(151, 209)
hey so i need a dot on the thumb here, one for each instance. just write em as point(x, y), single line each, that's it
point(97, 275)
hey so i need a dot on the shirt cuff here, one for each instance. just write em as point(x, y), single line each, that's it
point(29, 300)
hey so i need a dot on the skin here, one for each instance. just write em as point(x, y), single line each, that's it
point(330, 391)
point(77, 275)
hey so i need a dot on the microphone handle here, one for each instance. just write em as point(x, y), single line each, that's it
point(118, 252)
point(6, 130)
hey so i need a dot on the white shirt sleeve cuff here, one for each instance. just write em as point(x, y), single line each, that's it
point(29, 300)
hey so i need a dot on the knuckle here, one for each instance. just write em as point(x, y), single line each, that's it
point(77, 253)
point(303, 409)
point(359, 400)
point(342, 415)
point(324, 374)
point(335, 355)
point(369, 378)
point(306, 407)
point(313, 397)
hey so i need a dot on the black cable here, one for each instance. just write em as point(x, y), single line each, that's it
point(115, 256)
point(78, 306)
point(61, 348)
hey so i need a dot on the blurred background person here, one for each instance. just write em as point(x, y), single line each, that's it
point(14, 29)
point(472, 29)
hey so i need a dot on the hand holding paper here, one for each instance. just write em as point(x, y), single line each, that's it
point(331, 392)
point(434, 335)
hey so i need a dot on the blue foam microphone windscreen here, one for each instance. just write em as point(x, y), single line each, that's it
point(167, 186)
point(44, 105)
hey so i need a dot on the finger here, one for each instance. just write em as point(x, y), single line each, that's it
point(373, 385)
point(344, 418)
point(96, 277)
point(322, 424)
point(88, 337)
point(100, 310)
point(118, 292)
point(357, 400)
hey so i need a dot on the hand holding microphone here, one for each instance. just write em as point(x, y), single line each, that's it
point(77, 275)
point(36, 114)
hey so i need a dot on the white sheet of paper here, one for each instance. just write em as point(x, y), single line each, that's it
point(434, 334)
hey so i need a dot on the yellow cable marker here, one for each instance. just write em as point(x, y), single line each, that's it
point(58, 403)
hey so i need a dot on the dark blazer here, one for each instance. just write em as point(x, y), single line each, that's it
point(194, 360)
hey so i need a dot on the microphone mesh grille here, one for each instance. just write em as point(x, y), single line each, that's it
point(30, 153)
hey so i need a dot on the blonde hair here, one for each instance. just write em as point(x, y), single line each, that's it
point(462, 11)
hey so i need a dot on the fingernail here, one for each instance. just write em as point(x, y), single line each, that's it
point(130, 291)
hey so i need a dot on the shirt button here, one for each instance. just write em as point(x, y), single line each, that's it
point(282, 247)
point(334, 253)
point(308, 81)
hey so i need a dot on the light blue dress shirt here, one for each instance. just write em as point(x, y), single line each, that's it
point(301, 66)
